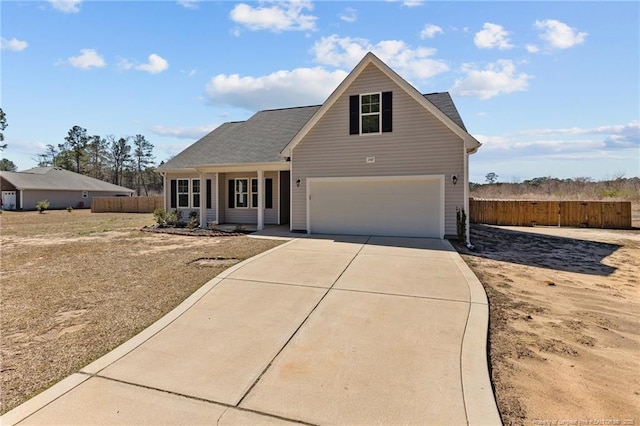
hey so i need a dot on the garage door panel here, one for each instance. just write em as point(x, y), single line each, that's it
point(399, 207)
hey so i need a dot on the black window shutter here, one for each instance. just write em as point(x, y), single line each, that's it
point(232, 193)
point(354, 114)
point(174, 193)
point(387, 116)
point(268, 192)
point(208, 193)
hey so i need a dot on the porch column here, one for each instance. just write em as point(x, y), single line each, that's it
point(165, 192)
point(217, 197)
point(203, 201)
point(260, 200)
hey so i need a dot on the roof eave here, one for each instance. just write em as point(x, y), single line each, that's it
point(237, 167)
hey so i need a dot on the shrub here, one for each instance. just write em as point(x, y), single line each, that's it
point(42, 205)
point(160, 216)
point(173, 218)
point(193, 220)
point(69, 209)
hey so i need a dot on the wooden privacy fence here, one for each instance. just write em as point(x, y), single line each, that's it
point(577, 214)
point(126, 204)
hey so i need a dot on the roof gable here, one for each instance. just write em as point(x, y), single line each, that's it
point(451, 122)
point(57, 179)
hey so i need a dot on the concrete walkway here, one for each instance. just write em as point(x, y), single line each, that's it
point(321, 330)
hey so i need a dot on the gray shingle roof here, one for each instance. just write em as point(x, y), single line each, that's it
point(445, 104)
point(257, 140)
point(56, 179)
point(262, 137)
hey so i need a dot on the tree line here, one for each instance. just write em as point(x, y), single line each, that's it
point(125, 161)
point(547, 187)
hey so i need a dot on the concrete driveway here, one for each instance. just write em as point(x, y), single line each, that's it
point(321, 330)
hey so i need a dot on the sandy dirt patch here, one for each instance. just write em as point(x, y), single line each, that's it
point(564, 322)
point(76, 285)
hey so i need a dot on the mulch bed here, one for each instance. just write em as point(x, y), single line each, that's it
point(195, 232)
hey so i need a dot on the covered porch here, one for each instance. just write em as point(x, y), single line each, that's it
point(252, 194)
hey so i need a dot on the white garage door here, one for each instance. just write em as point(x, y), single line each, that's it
point(391, 206)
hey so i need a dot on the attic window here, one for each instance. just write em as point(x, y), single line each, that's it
point(370, 113)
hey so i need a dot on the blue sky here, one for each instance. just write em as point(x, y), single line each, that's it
point(549, 88)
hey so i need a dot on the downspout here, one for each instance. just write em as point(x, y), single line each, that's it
point(466, 196)
point(291, 192)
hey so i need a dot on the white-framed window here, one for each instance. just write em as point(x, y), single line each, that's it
point(370, 113)
point(242, 193)
point(195, 193)
point(183, 193)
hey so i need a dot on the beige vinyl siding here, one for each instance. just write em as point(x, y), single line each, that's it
point(419, 144)
point(250, 215)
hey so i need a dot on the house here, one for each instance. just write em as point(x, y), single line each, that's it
point(62, 188)
point(376, 158)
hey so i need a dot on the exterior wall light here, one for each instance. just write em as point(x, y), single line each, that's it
point(454, 179)
point(298, 183)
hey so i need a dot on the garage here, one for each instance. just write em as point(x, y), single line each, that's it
point(404, 206)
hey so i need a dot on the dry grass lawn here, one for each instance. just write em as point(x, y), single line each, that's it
point(564, 322)
point(76, 285)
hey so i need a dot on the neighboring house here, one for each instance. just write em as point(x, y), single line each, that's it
point(62, 188)
point(376, 158)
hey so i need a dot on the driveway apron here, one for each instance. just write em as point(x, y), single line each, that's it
point(321, 330)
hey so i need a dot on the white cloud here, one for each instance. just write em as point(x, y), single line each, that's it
point(349, 15)
point(495, 79)
point(182, 132)
point(605, 142)
point(532, 48)
point(66, 6)
point(189, 73)
point(492, 36)
point(280, 16)
point(559, 35)
point(412, 3)
point(125, 64)
point(189, 4)
point(619, 135)
point(156, 64)
point(14, 44)
point(430, 31)
point(410, 63)
point(88, 58)
point(301, 86)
